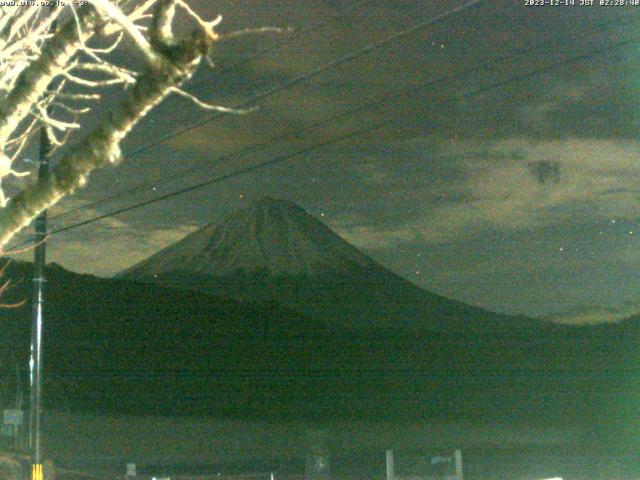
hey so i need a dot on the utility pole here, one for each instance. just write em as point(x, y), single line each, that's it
point(390, 467)
point(35, 361)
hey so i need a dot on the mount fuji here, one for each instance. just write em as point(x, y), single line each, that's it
point(272, 235)
point(272, 315)
point(275, 251)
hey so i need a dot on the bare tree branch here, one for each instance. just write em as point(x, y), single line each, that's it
point(176, 63)
point(50, 80)
point(35, 79)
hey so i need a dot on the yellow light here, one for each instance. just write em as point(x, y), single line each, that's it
point(36, 471)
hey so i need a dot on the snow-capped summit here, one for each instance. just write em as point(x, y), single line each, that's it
point(271, 235)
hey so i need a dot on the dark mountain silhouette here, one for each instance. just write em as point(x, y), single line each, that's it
point(275, 251)
point(308, 329)
point(117, 346)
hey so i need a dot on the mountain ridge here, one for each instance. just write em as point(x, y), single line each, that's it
point(271, 234)
point(274, 250)
point(122, 347)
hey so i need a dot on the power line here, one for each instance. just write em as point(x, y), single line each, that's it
point(337, 139)
point(224, 177)
point(339, 116)
point(312, 73)
point(306, 76)
point(318, 70)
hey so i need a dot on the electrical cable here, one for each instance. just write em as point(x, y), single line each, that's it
point(339, 116)
point(311, 74)
point(333, 140)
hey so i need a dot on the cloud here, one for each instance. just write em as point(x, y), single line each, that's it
point(121, 249)
point(109, 245)
point(545, 171)
point(595, 314)
point(369, 238)
point(463, 190)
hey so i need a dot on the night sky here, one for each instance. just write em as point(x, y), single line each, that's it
point(492, 185)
